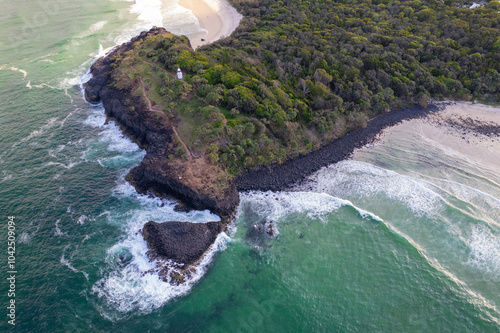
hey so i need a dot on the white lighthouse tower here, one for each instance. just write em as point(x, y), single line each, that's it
point(179, 74)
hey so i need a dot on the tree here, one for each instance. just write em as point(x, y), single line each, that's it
point(423, 100)
point(231, 79)
point(320, 75)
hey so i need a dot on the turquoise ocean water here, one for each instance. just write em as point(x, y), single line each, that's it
point(403, 237)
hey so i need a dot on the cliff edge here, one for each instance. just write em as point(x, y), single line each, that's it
point(194, 180)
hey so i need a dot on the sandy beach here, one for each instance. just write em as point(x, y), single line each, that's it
point(466, 129)
point(217, 17)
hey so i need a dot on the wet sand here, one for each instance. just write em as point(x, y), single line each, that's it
point(469, 130)
point(217, 17)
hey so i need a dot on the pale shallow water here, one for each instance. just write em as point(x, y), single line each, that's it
point(405, 236)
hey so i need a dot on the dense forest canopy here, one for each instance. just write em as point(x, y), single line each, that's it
point(296, 74)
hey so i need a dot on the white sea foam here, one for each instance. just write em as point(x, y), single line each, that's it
point(93, 29)
point(153, 208)
point(277, 205)
point(110, 139)
point(134, 285)
point(485, 252)
point(86, 238)
point(29, 86)
point(486, 206)
point(474, 297)
point(113, 136)
point(24, 237)
point(132, 282)
point(347, 178)
point(81, 220)
point(58, 231)
point(54, 152)
point(68, 166)
point(82, 74)
point(137, 286)
point(44, 57)
point(68, 264)
point(6, 176)
point(148, 11)
point(15, 69)
point(161, 13)
point(50, 123)
point(97, 118)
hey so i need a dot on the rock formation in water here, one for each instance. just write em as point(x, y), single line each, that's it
point(182, 242)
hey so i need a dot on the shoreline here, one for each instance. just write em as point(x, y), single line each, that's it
point(472, 130)
point(217, 17)
point(193, 181)
point(466, 129)
point(275, 177)
point(280, 177)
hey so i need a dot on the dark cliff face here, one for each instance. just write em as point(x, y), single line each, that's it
point(182, 242)
point(155, 173)
point(155, 176)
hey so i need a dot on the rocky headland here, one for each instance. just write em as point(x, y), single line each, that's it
point(197, 181)
point(192, 180)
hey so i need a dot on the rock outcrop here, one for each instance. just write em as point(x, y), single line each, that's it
point(193, 182)
point(182, 242)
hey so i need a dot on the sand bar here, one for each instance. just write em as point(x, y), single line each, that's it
point(217, 17)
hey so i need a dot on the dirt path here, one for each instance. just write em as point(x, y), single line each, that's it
point(190, 154)
point(152, 109)
point(150, 104)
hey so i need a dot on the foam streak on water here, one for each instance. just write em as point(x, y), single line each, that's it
point(481, 251)
point(132, 284)
point(278, 205)
point(405, 237)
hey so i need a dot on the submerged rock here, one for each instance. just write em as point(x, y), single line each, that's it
point(182, 242)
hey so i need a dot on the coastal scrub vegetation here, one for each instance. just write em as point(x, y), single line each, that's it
point(296, 74)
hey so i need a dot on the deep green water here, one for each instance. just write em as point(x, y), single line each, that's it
point(404, 237)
